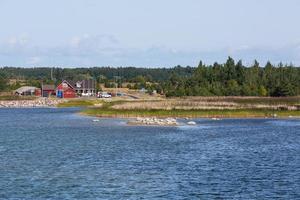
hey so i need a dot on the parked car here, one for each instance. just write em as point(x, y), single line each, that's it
point(86, 94)
point(119, 94)
point(103, 95)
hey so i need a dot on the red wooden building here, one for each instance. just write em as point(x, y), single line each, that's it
point(65, 90)
point(38, 92)
point(48, 90)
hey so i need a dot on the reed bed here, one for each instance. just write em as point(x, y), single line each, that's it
point(194, 107)
point(202, 104)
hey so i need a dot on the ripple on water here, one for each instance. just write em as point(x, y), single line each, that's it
point(289, 123)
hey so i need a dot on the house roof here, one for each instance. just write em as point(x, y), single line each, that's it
point(25, 89)
point(85, 84)
point(48, 87)
point(71, 83)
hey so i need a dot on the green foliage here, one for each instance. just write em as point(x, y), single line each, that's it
point(231, 78)
point(262, 91)
point(232, 88)
point(3, 82)
point(35, 83)
point(109, 84)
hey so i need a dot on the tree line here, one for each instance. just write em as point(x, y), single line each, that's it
point(228, 79)
point(235, 79)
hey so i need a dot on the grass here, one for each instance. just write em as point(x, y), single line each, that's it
point(107, 110)
point(209, 103)
point(188, 113)
point(268, 100)
point(127, 109)
point(16, 98)
point(250, 100)
point(76, 103)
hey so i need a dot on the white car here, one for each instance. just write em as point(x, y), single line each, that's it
point(86, 94)
point(104, 95)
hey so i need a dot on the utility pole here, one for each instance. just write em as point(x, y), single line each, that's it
point(116, 83)
point(51, 73)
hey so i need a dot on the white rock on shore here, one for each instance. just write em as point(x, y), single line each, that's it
point(154, 121)
point(40, 102)
point(192, 123)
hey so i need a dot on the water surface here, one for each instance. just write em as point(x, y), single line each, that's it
point(57, 154)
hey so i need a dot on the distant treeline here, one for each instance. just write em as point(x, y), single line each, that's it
point(228, 79)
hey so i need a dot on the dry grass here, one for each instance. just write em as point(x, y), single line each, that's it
point(199, 107)
point(212, 103)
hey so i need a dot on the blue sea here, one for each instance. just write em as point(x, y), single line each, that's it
point(58, 154)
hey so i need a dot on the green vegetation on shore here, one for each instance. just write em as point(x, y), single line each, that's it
point(16, 98)
point(231, 78)
point(295, 100)
point(76, 103)
point(107, 110)
point(99, 112)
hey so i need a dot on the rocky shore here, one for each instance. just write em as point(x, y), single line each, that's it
point(40, 102)
point(154, 121)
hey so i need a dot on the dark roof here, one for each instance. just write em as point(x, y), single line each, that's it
point(71, 83)
point(85, 84)
point(48, 87)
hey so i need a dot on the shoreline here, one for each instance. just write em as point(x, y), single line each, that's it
point(135, 109)
point(181, 117)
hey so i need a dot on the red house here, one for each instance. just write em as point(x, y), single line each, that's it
point(38, 92)
point(65, 90)
point(48, 90)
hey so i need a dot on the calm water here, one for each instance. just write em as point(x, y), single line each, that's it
point(56, 154)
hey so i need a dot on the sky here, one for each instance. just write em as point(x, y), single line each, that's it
point(152, 33)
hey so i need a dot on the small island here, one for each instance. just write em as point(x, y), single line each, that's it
point(194, 107)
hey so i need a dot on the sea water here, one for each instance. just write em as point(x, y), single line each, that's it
point(58, 154)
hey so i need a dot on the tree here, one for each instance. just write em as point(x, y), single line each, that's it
point(229, 69)
point(262, 91)
point(232, 88)
point(3, 82)
point(239, 70)
point(283, 90)
point(229, 78)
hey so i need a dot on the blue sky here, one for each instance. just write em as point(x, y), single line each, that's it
point(156, 33)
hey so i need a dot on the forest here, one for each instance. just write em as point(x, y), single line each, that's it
point(228, 79)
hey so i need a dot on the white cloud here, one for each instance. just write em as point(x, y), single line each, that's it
point(34, 60)
point(21, 40)
point(12, 41)
point(95, 42)
point(75, 41)
point(99, 50)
